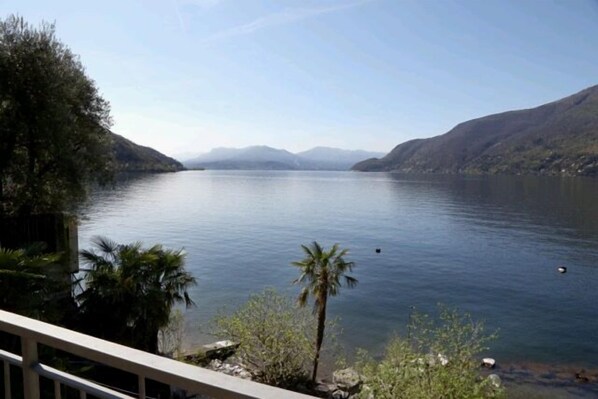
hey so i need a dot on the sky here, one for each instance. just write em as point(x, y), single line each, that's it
point(185, 76)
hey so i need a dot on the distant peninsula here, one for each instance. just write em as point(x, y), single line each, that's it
point(268, 158)
point(131, 157)
point(558, 138)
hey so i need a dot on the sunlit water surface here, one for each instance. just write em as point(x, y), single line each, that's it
point(487, 245)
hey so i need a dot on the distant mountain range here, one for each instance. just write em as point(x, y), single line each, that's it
point(268, 158)
point(559, 138)
point(131, 157)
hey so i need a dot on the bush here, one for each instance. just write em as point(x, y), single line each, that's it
point(31, 285)
point(439, 359)
point(276, 338)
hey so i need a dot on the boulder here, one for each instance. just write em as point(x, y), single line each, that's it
point(347, 380)
point(495, 381)
point(220, 349)
point(339, 394)
point(215, 365)
point(442, 359)
point(246, 375)
point(325, 389)
point(432, 360)
point(488, 362)
point(581, 377)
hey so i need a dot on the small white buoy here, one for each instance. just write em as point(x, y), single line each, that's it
point(488, 362)
point(562, 269)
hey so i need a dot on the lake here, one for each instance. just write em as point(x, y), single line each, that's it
point(488, 245)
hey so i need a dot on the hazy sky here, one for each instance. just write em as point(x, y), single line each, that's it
point(190, 75)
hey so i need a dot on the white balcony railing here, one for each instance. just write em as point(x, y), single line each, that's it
point(194, 380)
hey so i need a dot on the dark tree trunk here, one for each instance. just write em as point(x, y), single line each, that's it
point(153, 342)
point(146, 337)
point(320, 333)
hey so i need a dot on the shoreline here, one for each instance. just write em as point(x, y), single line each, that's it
point(524, 379)
point(532, 380)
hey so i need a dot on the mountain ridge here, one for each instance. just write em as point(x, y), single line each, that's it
point(265, 157)
point(132, 157)
point(560, 137)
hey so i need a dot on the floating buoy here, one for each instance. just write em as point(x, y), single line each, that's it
point(488, 362)
point(378, 250)
point(562, 269)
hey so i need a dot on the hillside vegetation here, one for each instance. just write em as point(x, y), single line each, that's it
point(559, 138)
point(131, 157)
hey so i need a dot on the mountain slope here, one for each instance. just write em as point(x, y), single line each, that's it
point(556, 138)
point(263, 157)
point(335, 157)
point(254, 157)
point(131, 157)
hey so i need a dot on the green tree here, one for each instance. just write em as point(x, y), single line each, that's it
point(439, 359)
point(322, 273)
point(29, 285)
point(53, 122)
point(130, 291)
point(275, 338)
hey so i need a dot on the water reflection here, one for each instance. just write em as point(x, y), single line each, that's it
point(570, 204)
point(488, 245)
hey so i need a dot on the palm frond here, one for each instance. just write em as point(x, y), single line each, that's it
point(351, 281)
point(302, 298)
point(105, 245)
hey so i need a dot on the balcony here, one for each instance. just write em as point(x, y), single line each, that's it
point(194, 380)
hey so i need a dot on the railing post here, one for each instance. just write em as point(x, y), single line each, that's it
point(7, 390)
point(30, 360)
point(141, 386)
point(57, 390)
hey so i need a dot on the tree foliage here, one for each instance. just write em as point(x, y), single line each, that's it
point(53, 122)
point(130, 291)
point(439, 359)
point(322, 274)
point(29, 284)
point(275, 336)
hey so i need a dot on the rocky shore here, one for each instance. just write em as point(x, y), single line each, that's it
point(521, 380)
point(537, 380)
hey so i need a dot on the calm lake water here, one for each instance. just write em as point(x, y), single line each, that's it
point(487, 245)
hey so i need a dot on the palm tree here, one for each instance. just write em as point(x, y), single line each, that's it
point(130, 291)
point(321, 275)
point(29, 284)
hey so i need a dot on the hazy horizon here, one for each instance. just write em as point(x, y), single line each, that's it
point(191, 75)
point(184, 156)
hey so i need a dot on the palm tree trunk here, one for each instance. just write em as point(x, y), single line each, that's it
point(320, 334)
point(153, 342)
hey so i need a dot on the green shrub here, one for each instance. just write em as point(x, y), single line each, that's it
point(276, 338)
point(438, 359)
point(31, 286)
